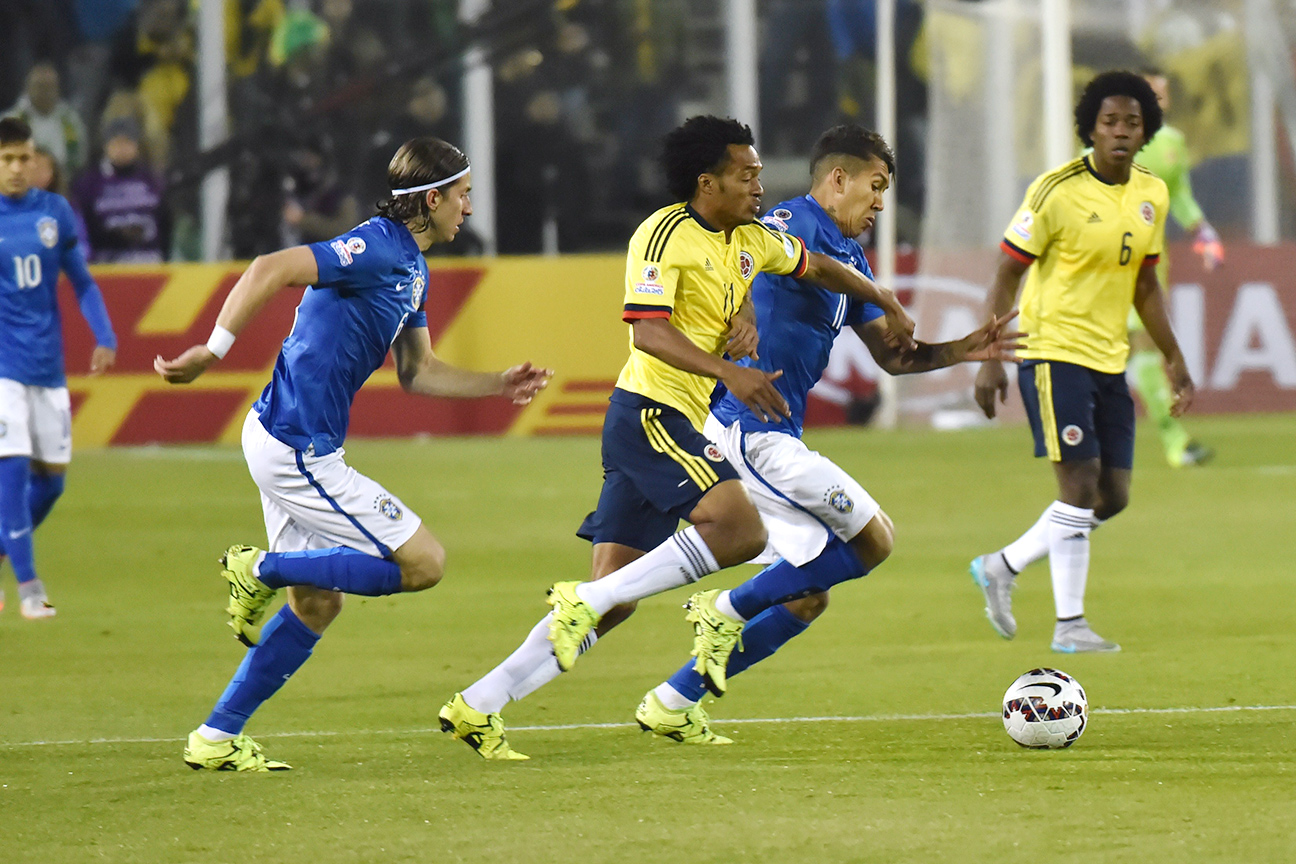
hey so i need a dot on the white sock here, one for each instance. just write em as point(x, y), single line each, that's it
point(672, 699)
point(1029, 547)
point(211, 733)
point(682, 559)
point(522, 673)
point(1068, 539)
point(723, 604)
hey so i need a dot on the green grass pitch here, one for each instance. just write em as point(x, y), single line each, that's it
point(1194, 580)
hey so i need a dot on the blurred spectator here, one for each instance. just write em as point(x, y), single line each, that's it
point(99, 23)
point(46, 173)
point(55, 125)
point(32, 31)
point(249, 28)
point(316, 206)
point(155, 58)
point(424, 114)
point(121, 201)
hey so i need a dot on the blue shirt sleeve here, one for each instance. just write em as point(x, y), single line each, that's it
point(89, 298)
point(358, 260)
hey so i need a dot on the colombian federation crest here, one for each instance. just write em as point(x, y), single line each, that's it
point(47, 230)
point(1148, 212)
point(746, 265)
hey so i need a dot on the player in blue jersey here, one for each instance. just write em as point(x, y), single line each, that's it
point(823, 527)
point(37, 239)
point(333, 531)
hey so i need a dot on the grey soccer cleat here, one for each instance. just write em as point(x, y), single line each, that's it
point(998, 597)
point(1075, 637)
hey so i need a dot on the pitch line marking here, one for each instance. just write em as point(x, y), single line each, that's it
point(867, 718)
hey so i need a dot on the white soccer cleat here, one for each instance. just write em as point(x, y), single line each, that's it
point(1076, 637)
point(998, 597)
point(35, 608)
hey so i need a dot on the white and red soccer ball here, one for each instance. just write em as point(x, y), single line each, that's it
point(1045, 709)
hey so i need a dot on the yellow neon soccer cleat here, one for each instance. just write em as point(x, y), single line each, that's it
point(715, 636)
point(237, 754)
point(249, 597)
point(571, 621)
point(482, 732)
point(688, 726)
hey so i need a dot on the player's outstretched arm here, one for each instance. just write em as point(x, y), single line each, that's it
point(991, 378)
point(264, 277)
point(754, 387)
point(836, 276)
point(993, 341)
point(1149, 302)
point(421, 371)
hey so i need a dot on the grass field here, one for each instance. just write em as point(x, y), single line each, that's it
point(899, 754)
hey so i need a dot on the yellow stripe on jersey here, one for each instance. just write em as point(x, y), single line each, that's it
point(1044, 388)
point(695, 466)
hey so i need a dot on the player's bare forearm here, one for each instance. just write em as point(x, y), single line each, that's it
point(1007, 282)
point(658, 337)
point(836, 276)
point(421, 372)
point(264, 277)
point(1149, 302)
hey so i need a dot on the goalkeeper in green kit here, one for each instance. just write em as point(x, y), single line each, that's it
point(1166, 156)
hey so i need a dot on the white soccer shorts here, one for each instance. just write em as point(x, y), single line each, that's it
point(35, 422)
point(319, 502)
point(803, 498)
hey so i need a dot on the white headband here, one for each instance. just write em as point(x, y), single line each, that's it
point(427, 186)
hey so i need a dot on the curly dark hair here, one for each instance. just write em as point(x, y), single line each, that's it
point(418, 162)
point(850, 139)
point(699, 146)
point(1116, 83)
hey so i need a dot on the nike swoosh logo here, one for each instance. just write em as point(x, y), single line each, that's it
point(681, 483)
point(14, 535)
point(1057, 688)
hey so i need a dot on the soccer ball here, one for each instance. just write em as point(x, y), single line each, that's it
point(1045, 710)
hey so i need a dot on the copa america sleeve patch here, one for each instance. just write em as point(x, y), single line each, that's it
point(348, 248)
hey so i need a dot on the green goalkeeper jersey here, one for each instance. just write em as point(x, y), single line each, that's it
point(1166, 156)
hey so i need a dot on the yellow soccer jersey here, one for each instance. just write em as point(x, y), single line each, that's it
point(1087, 239)
point(678, 267)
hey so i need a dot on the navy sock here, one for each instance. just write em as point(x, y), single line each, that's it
point(762, 636)
point(285, 645)
point(15, 516)
point(45, 490)
point(781, 581)
point(339, 569)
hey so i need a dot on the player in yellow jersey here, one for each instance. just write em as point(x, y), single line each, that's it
point(688, 273)
point(1089, 234)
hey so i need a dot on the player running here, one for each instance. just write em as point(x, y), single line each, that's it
point(688, 273)
point(1090, 233)
point(1166, 156)
point(37, 239)
point(824, 528)
point(333, 531)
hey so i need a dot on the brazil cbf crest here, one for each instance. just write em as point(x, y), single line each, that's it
point(47, 230)
point(840, 501)
point(420, 285)
point(389, 508)
point(746, 265)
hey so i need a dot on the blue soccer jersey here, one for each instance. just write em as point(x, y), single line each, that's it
point(37, 240)
point(371, 285)
point(797, 320)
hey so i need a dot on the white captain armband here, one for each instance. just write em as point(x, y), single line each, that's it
point(220, 341)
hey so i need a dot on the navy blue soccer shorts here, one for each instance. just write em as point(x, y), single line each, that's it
point(656, 468)
point(1076, 413)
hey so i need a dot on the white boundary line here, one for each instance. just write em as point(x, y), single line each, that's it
point(867, 718)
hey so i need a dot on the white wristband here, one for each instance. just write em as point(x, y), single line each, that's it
point(220, 341)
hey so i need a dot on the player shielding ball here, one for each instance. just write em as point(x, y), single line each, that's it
point(688, 273)
point(331, 530)
point(1090, 233)
point(824, 528)
point(39, 237)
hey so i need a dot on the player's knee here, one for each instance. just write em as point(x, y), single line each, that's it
point(424, 570)
point(808, 608)
point(875, 542)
